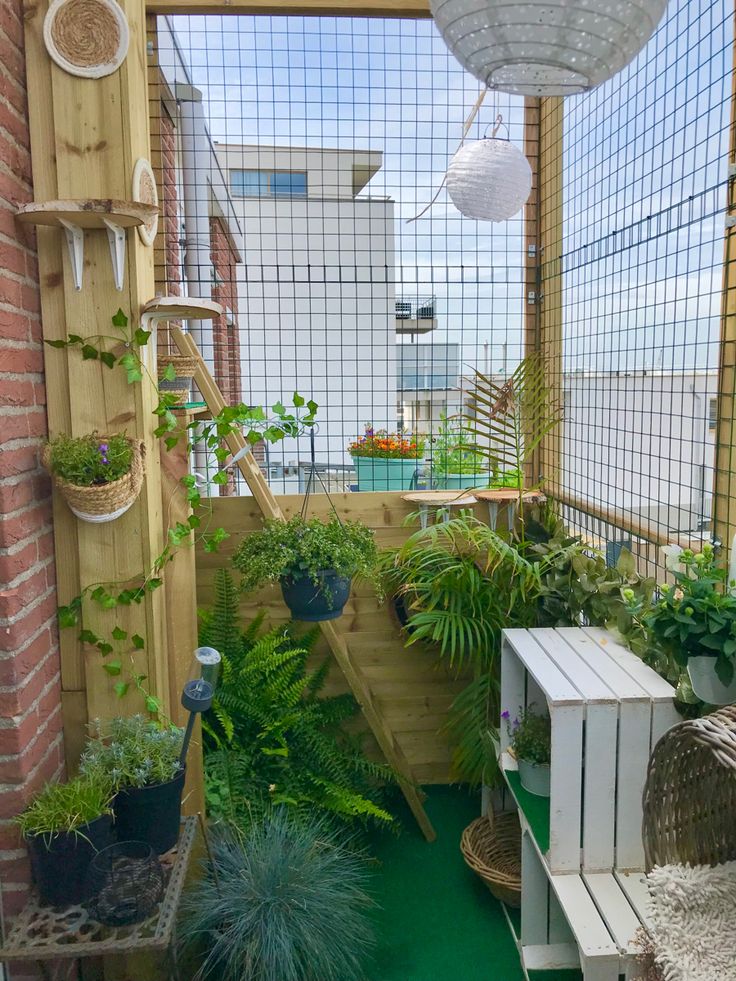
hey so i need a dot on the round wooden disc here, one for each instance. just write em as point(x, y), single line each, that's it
point(88, 38)
point(144, 190)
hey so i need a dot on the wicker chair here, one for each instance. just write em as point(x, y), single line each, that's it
point(689, 799)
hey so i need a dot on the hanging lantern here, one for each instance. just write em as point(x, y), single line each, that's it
point(489, 179)
point(546, 47)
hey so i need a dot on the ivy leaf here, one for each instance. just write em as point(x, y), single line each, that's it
point(194, 521)
point(169, 373)
point(170, 441)
point(89, 353)
point(119, 634)
point(312, 406)
point(298, 400)
point(153, 584)
point(138, 642)
point(220, 477)
point(89, 637)
point(119, 319)
point(141, 336)
point(56, 344)
point(121, 688)
point(75, 339)
point(68, 616)
point(279, 409)
point(104, 648)
point(113, 667)
point(152, 705)
point(108, 359)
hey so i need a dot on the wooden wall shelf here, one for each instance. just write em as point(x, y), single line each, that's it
point(181, 308)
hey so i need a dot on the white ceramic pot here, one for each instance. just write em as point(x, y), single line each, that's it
point(534, 777)
point(706, 683)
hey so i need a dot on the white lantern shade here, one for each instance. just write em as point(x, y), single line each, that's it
point(489, 179)
point(546, 47)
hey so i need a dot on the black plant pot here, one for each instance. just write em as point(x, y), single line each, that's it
point(313, 603)
point(151, 814)
point(59, 863)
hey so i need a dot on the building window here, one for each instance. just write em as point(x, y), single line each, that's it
point(712, 414)
point(268, 183)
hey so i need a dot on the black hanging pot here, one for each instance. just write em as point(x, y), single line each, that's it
point(151, 814)
point(60, 862)
point(314, 602)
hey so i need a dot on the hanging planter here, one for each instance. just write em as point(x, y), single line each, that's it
point(313, 561)
point(489, 179)
point(182, 369)
point(99, 477)
point(545, 47)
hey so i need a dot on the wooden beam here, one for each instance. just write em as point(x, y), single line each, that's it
point(313, 8)
point(86, 135)
point(724, 496)
point(550, 259)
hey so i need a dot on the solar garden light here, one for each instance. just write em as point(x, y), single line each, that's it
point(199, 690)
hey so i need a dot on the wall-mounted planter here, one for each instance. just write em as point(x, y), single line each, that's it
point(375, 474)
point(100, 503)
point(314, 602)
point(707, 685)
point(184, 369)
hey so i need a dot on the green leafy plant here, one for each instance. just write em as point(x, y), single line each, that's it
point(89, 460)
point(67, 807)
point(462, 584)
point(130, 339)
point(511, 420)
point(286, 902)
point(271, 736)
point(132, 752)
point(530, 734)
point(382, 445)
point(301, 548)
point(695, 617)
point(454, 450)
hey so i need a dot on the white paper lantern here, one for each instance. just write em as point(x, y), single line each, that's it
point(546, 47)
point(489, 179)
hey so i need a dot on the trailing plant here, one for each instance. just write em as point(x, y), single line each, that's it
point(132, 752)
point(463, 583)
point(120, 648)
point(89, 460)
point(382, 445)
point(271, 736)
point(301, 548)
point(510, 420)
point(530, 734)
point(454, 450)
point(286, 902)
point(67, 807)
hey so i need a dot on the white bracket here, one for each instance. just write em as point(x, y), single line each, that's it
point(116, 237)
point(75, 245)
point(492, 514)
point(730, 221)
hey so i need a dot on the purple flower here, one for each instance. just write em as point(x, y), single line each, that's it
point(506, 714)
point(103, 448)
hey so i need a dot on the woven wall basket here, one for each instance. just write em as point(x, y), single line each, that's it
point(88, 38)
point(184, 368)
point(491, 846)
point(145, 191)
point(103, 502)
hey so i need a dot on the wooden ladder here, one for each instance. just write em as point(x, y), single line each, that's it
point(269, 506)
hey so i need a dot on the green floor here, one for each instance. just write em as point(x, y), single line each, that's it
point(437, 921)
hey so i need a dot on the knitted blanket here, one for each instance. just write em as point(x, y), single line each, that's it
point(692, 921)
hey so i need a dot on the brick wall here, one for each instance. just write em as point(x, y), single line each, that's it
point(30, 709)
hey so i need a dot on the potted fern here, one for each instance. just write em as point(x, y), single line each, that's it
point(64, 827)
point(314, 562)
point(142, 759)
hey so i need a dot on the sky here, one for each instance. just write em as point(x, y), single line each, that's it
point(644, 186)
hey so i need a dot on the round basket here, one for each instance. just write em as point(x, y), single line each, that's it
point(102, 502)
point(491, 846)
point(184, 369)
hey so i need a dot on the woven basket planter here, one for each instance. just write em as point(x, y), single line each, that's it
point(491, 846)
point(184, 368)
point(102, 502)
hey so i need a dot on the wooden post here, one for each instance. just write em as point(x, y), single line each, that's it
point(531, 303)
point(86, 135)
point(724, 490)
point(550, 259)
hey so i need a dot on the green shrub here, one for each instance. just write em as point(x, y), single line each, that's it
point(133, 752)
point(67, 807)
point(92, 459)
point(286, 902)
point(270, 736)
point(303, 548)
point(531, 735)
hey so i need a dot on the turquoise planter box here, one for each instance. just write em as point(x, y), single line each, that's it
point(460, 481)
point(385, 475)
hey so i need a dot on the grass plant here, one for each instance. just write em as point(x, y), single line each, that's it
point(66, 807)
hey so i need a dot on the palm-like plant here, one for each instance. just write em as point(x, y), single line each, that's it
point(511, 420)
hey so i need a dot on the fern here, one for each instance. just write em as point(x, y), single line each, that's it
point(271, 737)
